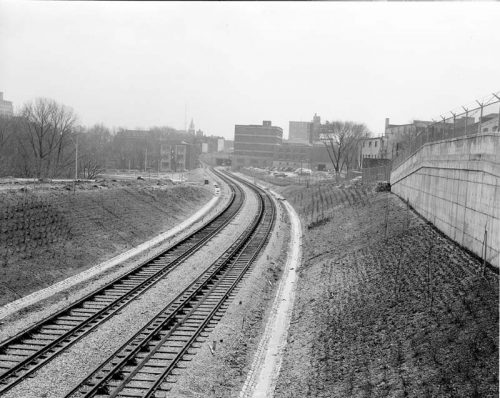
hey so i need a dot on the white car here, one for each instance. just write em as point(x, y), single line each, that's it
point(302, 171)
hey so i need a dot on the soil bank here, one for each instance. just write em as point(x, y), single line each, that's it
point(386, 306)
point(51, 233)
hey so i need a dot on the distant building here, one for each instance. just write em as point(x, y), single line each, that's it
point(398, 136)
point(490, 123)
point(293, 155)
point(228, 145)
point(373, 147)
point(177, 156)
point(210, 144)
point(300, 131)
point(305, 131)
point(256, 145)
point(155, 150)
point(320, 158)
point(316, 126)
point(6, 108)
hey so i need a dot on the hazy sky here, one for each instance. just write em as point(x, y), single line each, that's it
point(140, 64)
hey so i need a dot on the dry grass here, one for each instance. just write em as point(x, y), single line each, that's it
point(386, 306)
point(48, 235)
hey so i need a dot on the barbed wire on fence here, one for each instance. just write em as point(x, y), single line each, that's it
point(481, 118)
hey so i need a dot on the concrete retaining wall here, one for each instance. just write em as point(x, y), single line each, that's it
point(455, 184)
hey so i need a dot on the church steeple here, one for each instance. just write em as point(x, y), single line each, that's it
point(191, 127)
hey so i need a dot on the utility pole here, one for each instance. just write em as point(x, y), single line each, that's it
point(146, 160)
point(76, 158)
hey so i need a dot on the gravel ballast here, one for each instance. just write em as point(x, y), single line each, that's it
point(66, 371)
point(221, 372)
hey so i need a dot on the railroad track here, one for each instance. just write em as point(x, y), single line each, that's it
point(30, 349)
point(143, 366)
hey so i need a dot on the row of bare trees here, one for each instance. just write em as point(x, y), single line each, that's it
point(43, 139)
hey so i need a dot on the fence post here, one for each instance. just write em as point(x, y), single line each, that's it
point(444, 128)
point(386, 217)
point(498, 98)
point(485, 245)
point(429, 277)
point(407, 213)
point(454, 123)
point(480, 117)
point(466, 119)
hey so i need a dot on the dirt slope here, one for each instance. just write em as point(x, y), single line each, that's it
point(402, 313)
point(49, 234)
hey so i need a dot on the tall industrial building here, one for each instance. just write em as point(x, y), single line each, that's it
point(300, 131)
point(256, 145)
point(305, 131)
point(6, 108)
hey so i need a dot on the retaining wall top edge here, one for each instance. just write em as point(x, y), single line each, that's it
point(491, 157)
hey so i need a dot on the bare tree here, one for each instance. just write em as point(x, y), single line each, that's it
point(90, 169)
point(341, 140)
point(94, 147)
point(46, 136)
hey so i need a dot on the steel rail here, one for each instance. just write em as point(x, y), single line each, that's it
point(216, 283)
point(38, 353)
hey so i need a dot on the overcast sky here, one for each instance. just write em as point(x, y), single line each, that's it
point(142, 64)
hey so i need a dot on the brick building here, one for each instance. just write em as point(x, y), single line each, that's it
point(154, 150)
point(6, 108)
point(256, 145)
point(373, 147)
point(397, 136)
point(293, 154)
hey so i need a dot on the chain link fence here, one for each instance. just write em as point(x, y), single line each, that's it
point(481, 118)
point(379, 173)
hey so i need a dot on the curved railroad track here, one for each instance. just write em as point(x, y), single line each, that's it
point(143, 366)
point(30, 349)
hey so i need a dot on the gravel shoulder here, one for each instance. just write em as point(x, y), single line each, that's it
point(263, 375)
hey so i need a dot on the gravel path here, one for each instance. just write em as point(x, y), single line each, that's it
point(66, 371)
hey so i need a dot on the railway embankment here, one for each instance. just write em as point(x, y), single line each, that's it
point(55, 231)
point(385, 304)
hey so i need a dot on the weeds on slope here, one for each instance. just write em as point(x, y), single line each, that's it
point(387, 306)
